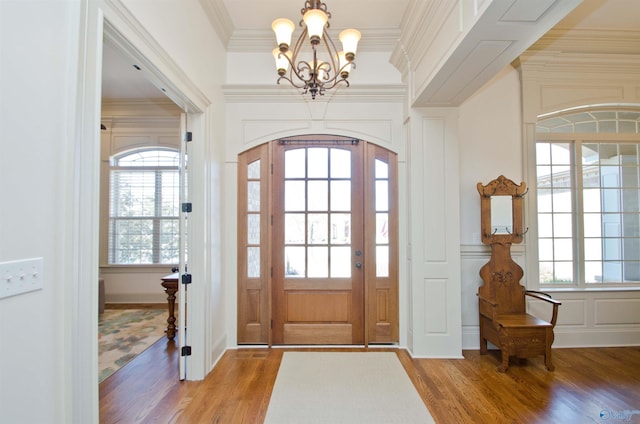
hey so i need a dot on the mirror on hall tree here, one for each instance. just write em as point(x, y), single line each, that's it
point(501, 211)
point(501, 215)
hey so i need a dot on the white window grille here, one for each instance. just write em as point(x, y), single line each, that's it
point(144, 207)
point(588, 198)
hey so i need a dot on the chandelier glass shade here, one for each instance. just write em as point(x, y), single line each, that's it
point(323, 66)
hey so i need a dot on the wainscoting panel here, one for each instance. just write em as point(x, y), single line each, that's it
point(574, 312)
point(434, 191)
point(435, 306)
point(616, 311)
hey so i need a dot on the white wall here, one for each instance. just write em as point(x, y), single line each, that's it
point(490, 145)
point(49, 179)
point(39, 44)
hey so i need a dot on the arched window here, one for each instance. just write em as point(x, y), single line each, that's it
point(143, 207)
point(588, 197)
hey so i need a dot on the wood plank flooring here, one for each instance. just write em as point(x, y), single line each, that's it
point(586, 384)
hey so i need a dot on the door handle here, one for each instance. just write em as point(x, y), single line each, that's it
point(358, 265)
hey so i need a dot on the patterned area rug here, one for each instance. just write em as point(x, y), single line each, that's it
point(125, 333)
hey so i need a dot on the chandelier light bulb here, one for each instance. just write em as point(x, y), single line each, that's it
point(321, 71)
point(345, 65)
point(282, 64)
point(315, 20)
point(349, 39)
point(283, 28)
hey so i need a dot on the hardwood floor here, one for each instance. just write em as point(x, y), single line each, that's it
point(585, 384)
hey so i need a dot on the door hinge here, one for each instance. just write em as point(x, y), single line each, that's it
point(188, 136)
point(271, 271)
point(185, 351)
point(187, 207)
point(271, 323)
point(186, 278)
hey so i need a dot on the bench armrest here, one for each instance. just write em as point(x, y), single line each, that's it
point(542, 296)
point(493, 309)
point(547, 298)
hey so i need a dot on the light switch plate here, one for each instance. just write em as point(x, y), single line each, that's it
point(17, 277)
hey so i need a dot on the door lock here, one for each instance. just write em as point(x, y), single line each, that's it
point(358, 265)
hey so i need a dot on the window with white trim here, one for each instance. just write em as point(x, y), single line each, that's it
point(144, 207)
point(588, 198)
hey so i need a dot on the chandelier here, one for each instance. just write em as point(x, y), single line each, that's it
point(306, 70)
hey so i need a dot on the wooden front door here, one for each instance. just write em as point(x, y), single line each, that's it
point(317, 242)
point(318, 291)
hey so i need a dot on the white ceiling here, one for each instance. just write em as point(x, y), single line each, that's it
point(122, 81)
point(361, 14)
point(604, 14)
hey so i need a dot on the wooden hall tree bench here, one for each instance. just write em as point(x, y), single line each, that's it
point(503, 316)
point(505, 322)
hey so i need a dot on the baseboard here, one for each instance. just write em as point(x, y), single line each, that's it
point(570, 338)
point(217, 350)
point(135, 306)
point(159, 297)
point(612, 337)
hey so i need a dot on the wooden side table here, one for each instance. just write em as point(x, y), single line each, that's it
point(170, 284)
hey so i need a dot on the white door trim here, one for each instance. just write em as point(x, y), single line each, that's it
point(111, 19)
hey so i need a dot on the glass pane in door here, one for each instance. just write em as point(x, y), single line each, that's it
point(317, 206)
point(382, 217)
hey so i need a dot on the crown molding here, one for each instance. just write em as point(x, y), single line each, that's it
point(590, 41)
point(219, 18)
point(548, 62)
point(420, 26)
point(260, 41)
point(287, 94)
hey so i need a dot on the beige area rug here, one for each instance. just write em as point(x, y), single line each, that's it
point(125, 333)
point(344, 387)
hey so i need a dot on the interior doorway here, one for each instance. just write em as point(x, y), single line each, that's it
point(148, 122)
point(317, 239)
